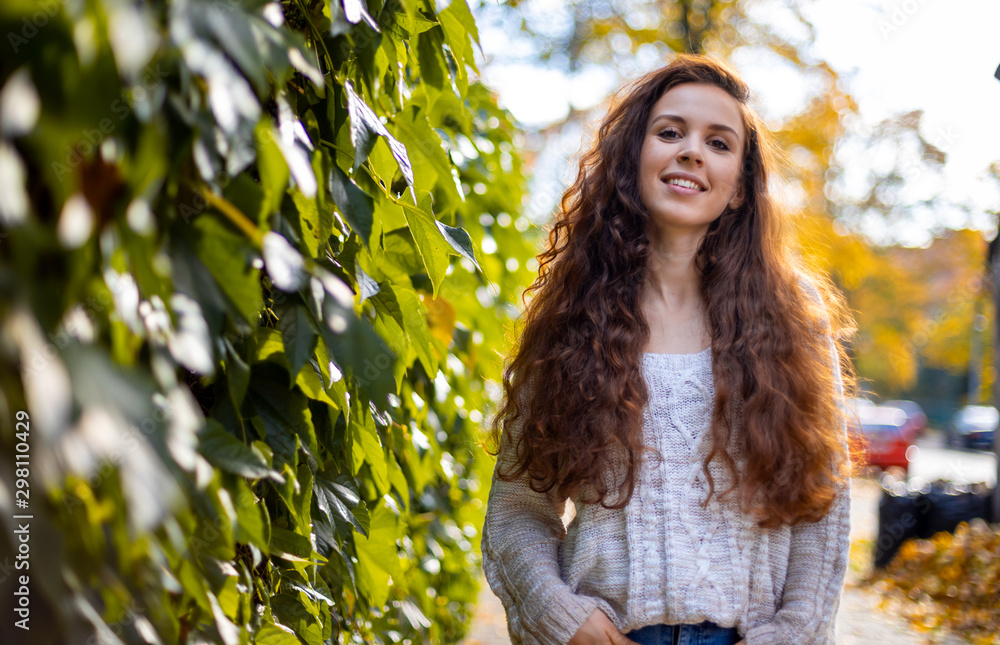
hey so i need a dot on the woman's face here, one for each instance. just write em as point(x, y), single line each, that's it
point(695, 136)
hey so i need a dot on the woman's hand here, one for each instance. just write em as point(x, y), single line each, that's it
point(599, 630)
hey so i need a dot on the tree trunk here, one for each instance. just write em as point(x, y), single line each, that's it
point(994, 265)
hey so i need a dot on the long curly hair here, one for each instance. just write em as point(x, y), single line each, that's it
point(574, 392)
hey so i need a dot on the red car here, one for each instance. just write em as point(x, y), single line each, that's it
point(916, 419)
point(885, 435)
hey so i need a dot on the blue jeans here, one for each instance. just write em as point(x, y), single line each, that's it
point(706, 633)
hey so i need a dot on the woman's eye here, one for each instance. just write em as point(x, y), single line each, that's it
point(717, 143)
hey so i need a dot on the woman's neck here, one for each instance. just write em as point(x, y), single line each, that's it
point(671, 300)
point(673, 281)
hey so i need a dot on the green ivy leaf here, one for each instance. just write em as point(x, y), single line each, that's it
point(457, 38)
point(337, 497)
point(432, 168)
point(271, 346)
point(321, 593)
point(433, 67)
point(291, 613)
point(228, 453)
point(459, 9)
point(300, 336)
point(459, 240)
point(192, 278)
point(349, 342)
point(231, 29)
point(383, 164)
point(296, 147)
point(290, 545)
point(366, 128)
point(252, 522)
point(229, 633)
point(268, 346)
point(229, 257)
point(429, 240)
point(285, 416)
point(271, 166)
point(285, 265)
point(291, 494)
point(417, 328)
point(400, 252)
point(274, 635)
point(313, 228)
point(398, 481)
point(237, 374)
point(388, 323)
point(377, 556)
point(310, 382)
point(194, 584)
point(368, 449)
point(367, 286)
point(354, 204)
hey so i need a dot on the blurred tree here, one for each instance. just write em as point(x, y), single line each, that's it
point(897, 194)
point(952, 281)
point(915, 308)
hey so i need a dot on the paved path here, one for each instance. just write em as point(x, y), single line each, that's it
point(859, 621)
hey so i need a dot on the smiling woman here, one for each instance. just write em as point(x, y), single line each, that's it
point(675, 346)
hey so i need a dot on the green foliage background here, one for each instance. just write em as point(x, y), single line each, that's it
point(245, 306)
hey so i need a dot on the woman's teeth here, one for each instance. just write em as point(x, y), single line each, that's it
point(685, 183)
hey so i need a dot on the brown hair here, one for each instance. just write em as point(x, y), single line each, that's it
point(778, 331)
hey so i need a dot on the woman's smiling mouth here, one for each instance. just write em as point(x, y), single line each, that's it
point(683, 186)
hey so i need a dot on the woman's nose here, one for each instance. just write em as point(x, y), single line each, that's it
point(691, 154)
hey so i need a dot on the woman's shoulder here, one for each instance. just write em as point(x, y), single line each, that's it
point(815, 289)
point(808, 285)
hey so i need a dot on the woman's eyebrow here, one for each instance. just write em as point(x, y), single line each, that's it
point(680, 119)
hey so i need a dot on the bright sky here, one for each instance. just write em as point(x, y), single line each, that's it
point(897, 56)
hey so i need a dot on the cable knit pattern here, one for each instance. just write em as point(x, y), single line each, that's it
point(664, 559)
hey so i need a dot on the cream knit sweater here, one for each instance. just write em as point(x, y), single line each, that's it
point(663, 559)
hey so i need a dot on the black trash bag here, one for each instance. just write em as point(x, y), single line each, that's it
point(949, 507)
point(902, 514)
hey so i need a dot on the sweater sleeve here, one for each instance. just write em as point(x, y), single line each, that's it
point(520, 542)
point(817, 565)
